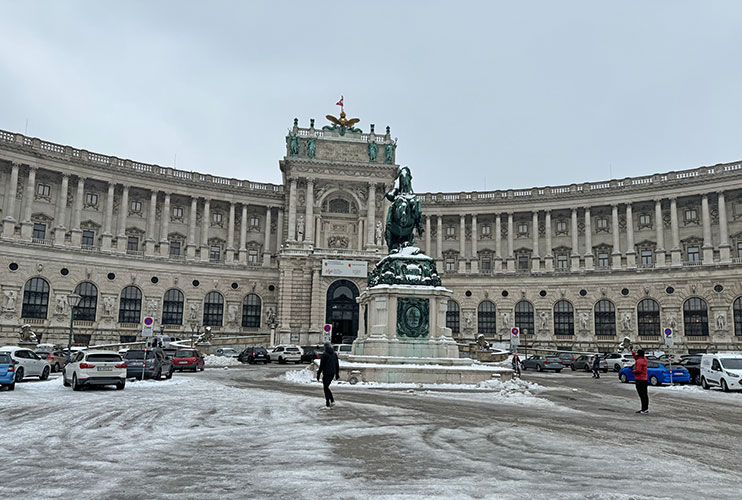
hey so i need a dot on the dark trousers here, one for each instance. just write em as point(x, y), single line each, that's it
point(595, 373)
point(326, 386)
point(641, 389)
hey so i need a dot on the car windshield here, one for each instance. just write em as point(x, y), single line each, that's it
point(185, 354)
point(5, 359)
point(102, 358)
point(732, 363)
point(139, 355)
point(42, 355)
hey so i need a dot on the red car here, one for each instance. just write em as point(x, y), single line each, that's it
point(189, 359)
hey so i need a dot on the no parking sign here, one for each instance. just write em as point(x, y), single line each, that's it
point(514, 337)
point(327, 333)
point(668, 337)
point(148, 326)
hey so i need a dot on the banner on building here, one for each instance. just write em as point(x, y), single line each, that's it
point(345, 268)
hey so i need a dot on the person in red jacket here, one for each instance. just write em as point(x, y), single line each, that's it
point(640, 375)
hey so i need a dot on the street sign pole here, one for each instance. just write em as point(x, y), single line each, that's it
point(514, 339)
point(669, 343)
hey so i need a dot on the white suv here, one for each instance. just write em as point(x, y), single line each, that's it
point(615, 361)
point(722, 369)
point(29, 363)
point(284, 353)
point(95, 368)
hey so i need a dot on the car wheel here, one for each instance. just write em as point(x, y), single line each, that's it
point(120, 386)
point(297, 361)
point(724, 386)
point(169, 374)
point(654, 380)
point(158, 374)
point(250, 360)
point(616, 368)
point(697, 379)
point(280, 360)
point(19, 375)
point(539, 369)
point(559, 370)
point(605, 370)
point(623, 378)
point(65, 382)
point(11, 387)
point(704, 384)
point(75, 385)
point(587, 369)
point(523, 367)
point(266, 361)
point(44, 373)
point(573, 367)
point(202, 367)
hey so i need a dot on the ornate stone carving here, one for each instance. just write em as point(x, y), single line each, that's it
point(337, 242)
point(60, 304)
point(413, 317)
point(405, 268)
point(626, 321)
point(10, 300)
point(108, 304)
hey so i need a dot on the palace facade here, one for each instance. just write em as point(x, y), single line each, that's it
point(581, 265)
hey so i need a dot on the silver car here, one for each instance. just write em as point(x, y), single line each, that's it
point(540, 363)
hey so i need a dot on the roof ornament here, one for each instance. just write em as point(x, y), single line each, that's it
point(342, 124)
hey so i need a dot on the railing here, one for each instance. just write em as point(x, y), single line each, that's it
point(42, 241)
point(692, 263)
point(90, 248)
point(136, 253)
point(33, 321)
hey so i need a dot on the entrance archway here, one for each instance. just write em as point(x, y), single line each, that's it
point(342, 310)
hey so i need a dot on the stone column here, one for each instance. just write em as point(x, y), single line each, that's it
point(107, 236)
point(659, 224)
point(724, 248)
point(123, 214)
point(462, 243)
point(708, 244)
point(361, 230)
point(317, 317)
point(149, 241)
point(427, 235)
point(371, 216)
point(318, 231)
point(242, 255)
point(588, 240)
point(549, 259)
point(292, 211)
point(498, 243)
point(205, 223)
point(192, 215)
point(76, 231)
point(630, 251)
point(267, 238)
point(575, 256)
point(474, 245)
point(535, 259)
point(511, 255)
point(676, 251)
point(439, 240)
point(165, 227)
point(616, 238)
point(229, 255)
point(309, 214)
point(26, 224)
point(10, 197)
point(60, 230)
point(279, 229)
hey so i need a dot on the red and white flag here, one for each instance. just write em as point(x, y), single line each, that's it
point(340, 102)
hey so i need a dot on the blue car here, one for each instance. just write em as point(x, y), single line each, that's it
point(657, 373)
point(7, 371)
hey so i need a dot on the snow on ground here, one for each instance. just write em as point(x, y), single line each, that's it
point(212, 360)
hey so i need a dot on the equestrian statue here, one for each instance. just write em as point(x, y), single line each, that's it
point(404, 215)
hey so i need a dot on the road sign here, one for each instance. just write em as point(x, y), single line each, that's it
point(514, 339)
point(148, 326)
point(327, 333)
point(515, 331)
point(669, 342)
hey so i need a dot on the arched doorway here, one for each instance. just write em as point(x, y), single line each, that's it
point(342, 310)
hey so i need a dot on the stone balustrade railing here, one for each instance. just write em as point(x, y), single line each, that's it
point(80, 155)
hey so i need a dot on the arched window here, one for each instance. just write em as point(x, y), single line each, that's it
point(737, 311)
point(605, 318)
point(172, 307)
point(251, 307)
point(648, 318)
point(453, 320)
point(86, 308)
point(695, 317)
point(339, 206)
point(564, 318)
point(486, 317)
point(524, 317)
point(213, 309)
point(35, 299)
point(130, 305)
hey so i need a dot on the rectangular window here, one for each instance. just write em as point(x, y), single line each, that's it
point(739, 249)
point(132, 244)
point(562, 262)
point(254, 221)
point(601, 223)
point(39, 231)
point(91, 199)
point(252, 256)
point(178, 212)
point(486, 265)
point(691, 215)
point(136, 206)
point(647, 258)
point(43, 190)
point(603, 260)
point(450, 265)
point(215, 253)
point(175, 249)
point(523, 262)
point(561, 226)
point(522, 228)
point(451, 231)
point(88, 238)
point(216, 218)
point(645, 220)
point(694, 256)
point(486, 230)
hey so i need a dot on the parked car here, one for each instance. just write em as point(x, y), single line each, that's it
point(253, 354)
point(188, 358)
point(540, 363)
point(7, 371)
point(722, 369)
point(666, 358)
point(343, 350)
point(311, 352)
point(29, 363)
point(566, 358)
point(657, 374)
point(693, 365)
point(227, 352)
point(616, 361)
point(285, 353)
point(95, 368)
point(56, 359)
point(157, 364)
point(583, 362)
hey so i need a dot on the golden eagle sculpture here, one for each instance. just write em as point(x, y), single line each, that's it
point(342, 124)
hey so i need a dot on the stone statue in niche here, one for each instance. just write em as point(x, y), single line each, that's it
point(378, 234)
point(626, 321)
point(193, 307)
point(469, 319)
point(672, 320)
point(506, 320)
point(543, 320)
point(232, 314)
point(108, 303)
point(300, 228)
point(294, 144)
point(10, 298)
point(60, 304)
point(271, 316)
point(584, 320)
point(311, 147)
point(389, 152)
point(721, 320)
point(152, 307)
point(373, 150)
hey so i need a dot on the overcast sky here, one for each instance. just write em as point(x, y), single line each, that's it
point(482, 95)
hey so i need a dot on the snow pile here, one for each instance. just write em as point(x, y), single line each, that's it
point(511, 386)
point(305, 376)
point(212, 360)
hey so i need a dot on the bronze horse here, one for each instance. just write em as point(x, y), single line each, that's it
point(404, 216)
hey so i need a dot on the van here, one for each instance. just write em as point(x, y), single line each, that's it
point(723, 370)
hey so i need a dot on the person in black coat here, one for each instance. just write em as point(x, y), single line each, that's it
point(596, 366)
point(329, 367)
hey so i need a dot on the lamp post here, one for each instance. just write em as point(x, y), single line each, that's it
point(72, 299)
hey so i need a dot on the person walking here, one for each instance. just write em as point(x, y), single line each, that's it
point(329, 367)
point(640, 375)
point(516, 365)
point(596, 366)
